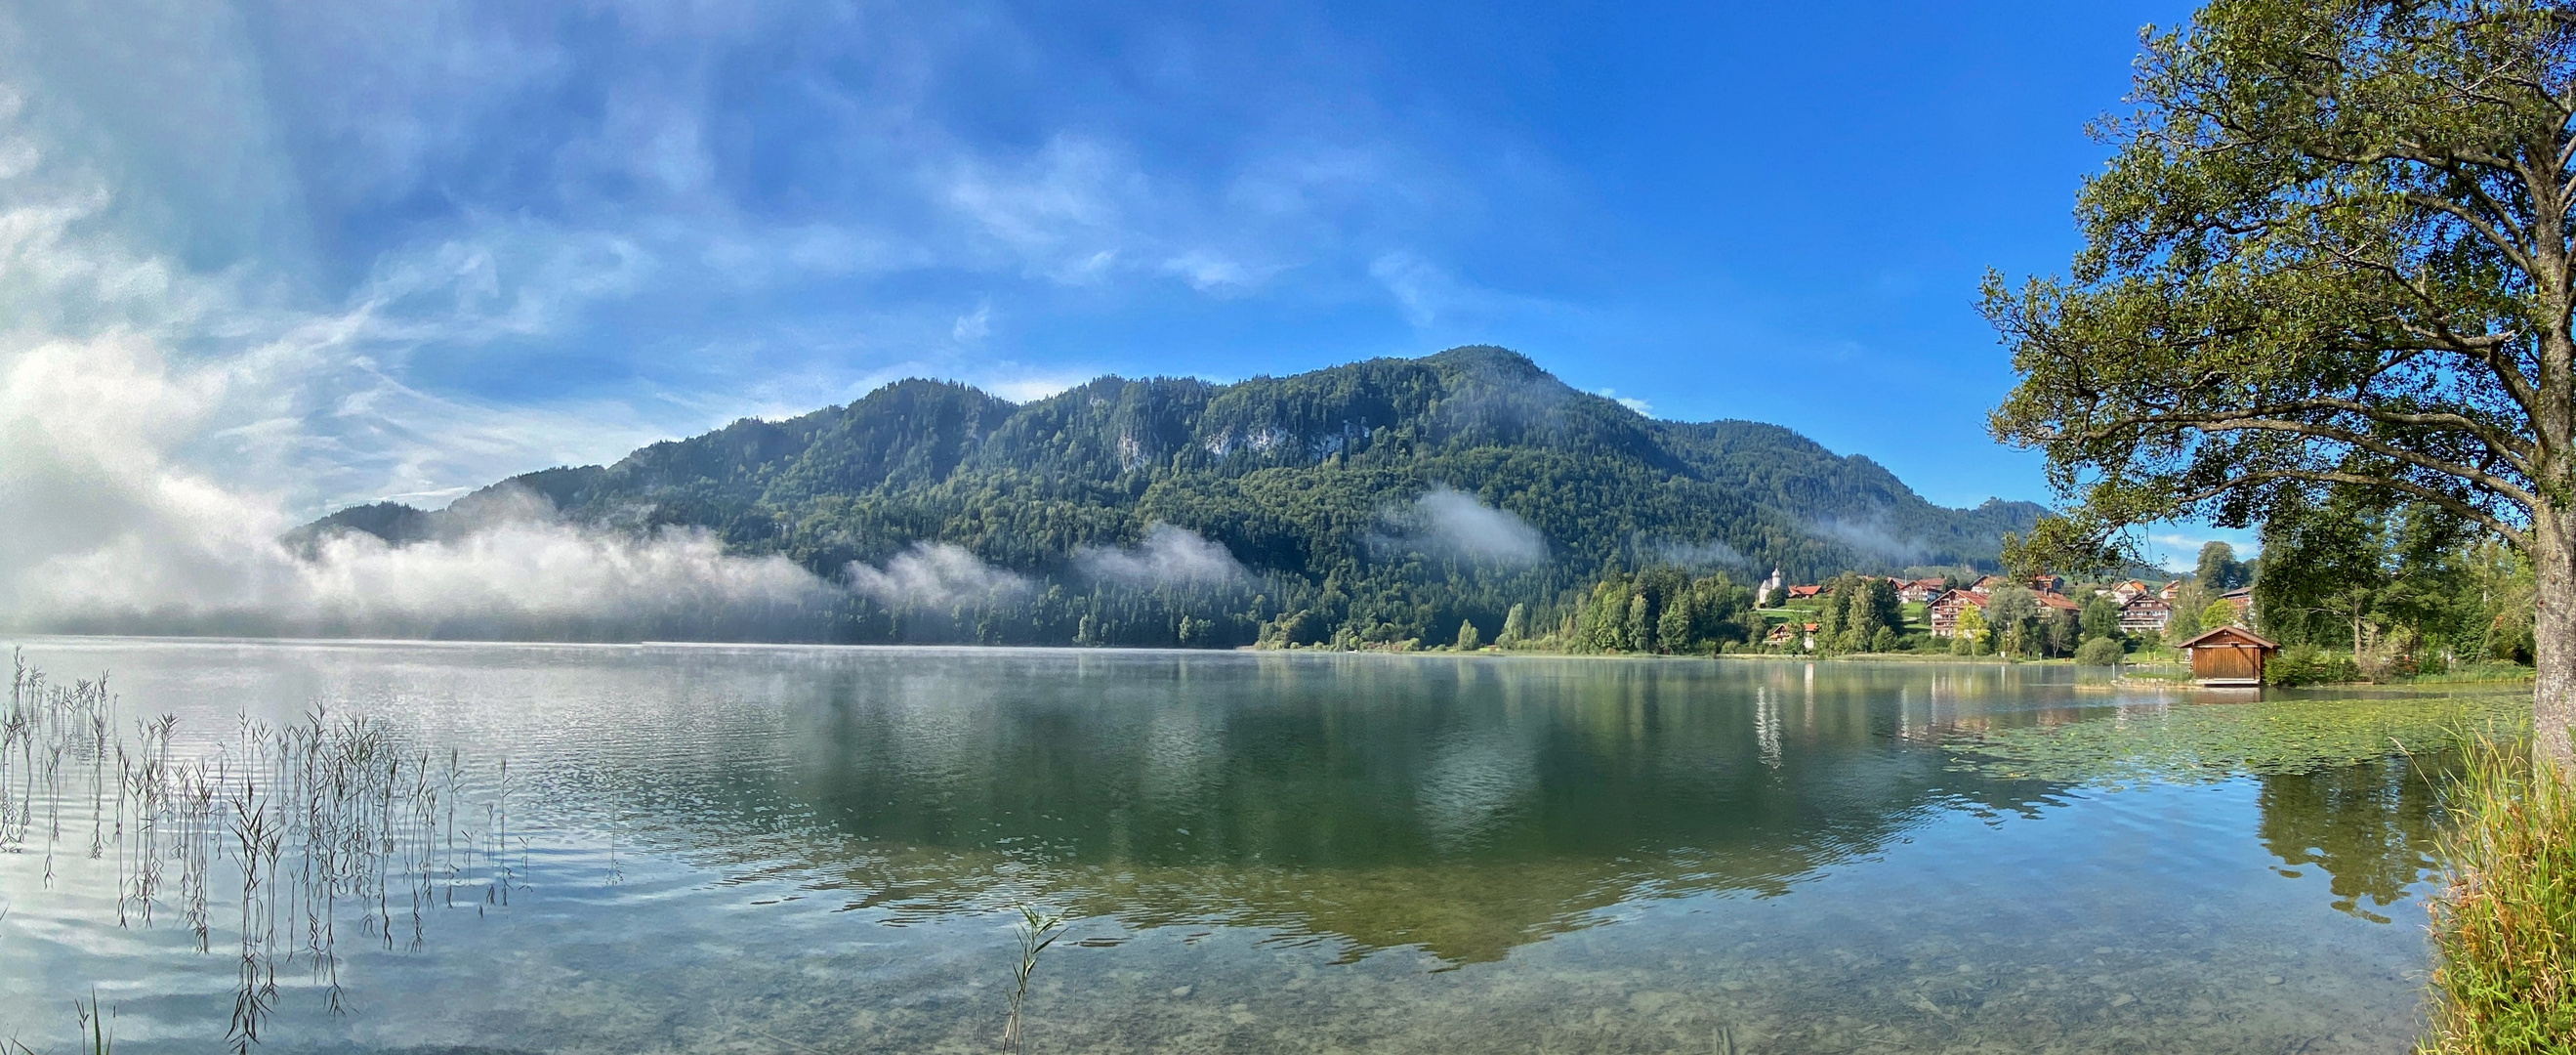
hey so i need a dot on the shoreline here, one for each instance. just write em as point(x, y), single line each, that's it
point(2124, 680)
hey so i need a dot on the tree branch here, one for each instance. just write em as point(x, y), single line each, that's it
point(2500, 486)
point(2462, 509)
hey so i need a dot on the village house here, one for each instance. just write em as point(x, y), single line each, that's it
point(1800, 593)
point(2241, 599)
point(2170, 589)
point(2128, 591)
point(1918, 591)
point(2036, 583)
point(1943, 613)
point(2059, 602)
point(2145, 615)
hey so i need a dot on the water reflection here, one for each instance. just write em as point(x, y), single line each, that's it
point(1478, 811)
point(1462, 808)
point(2370, 827)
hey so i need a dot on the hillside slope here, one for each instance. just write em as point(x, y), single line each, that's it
point(1332, 489)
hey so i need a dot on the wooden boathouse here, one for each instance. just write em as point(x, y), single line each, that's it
point(2229, 657)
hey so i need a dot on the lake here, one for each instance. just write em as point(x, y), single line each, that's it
point(496, 848)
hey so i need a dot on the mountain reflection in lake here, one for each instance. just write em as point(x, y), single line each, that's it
point(685, 849)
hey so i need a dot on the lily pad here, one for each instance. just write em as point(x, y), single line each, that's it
point(2179, 741)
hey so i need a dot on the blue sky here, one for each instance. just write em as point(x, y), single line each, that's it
point(431, 243)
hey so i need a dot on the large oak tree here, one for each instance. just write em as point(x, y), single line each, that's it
point(2334, 248)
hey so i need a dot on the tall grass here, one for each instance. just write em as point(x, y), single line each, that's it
point(2505, 925)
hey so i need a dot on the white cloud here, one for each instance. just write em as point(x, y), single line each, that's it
point(1061, 212)
point(167, 426)
point(1022, 385)
point(1709, 554)
point(1431, 294)
point(257, 265)
point(1630, 402)
point(1210, 272)
point(933, 574)
point(133, 539)
point(1872, 538)
point(1444, 522)
point(1168, 556)
point(1421, 288)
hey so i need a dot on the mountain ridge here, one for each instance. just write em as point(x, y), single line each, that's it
point(1300, 478)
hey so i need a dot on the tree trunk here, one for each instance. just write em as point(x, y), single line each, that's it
point(2553, 635)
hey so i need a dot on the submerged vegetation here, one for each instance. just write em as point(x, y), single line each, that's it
point(2504, 925)
point(2180, 741)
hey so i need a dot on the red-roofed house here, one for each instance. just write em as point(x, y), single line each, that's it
point(2145, 615)
point(1943, 613)
point(2241, 599)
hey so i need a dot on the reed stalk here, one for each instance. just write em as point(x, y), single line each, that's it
point(1036, 931)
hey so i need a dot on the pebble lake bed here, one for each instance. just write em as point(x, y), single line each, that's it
point(448, 848)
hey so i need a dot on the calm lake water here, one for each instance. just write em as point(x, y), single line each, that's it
point(618, 849)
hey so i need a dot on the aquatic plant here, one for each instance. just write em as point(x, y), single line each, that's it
point(1036, 931)
point(326, 823)
point(2184, 742)
point(93, 1021)
point(2504, 926)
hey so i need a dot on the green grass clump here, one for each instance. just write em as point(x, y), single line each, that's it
point(2505, 926)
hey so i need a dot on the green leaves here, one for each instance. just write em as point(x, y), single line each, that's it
point(2332, 247)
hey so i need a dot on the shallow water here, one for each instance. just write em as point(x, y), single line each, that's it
point(780, 849)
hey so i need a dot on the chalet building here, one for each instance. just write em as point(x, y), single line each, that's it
point(2229, 657)
point(1802, 633)
point(2241, 599)
point(1943, 613)
point(1918, 591)
point(2128, 591)
point(2059, 602)
point(2167, 592)
point(2036, 583)
point(1800, 593)
point(2145, 615)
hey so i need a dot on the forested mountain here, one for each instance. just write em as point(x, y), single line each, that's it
point(1376, 501)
